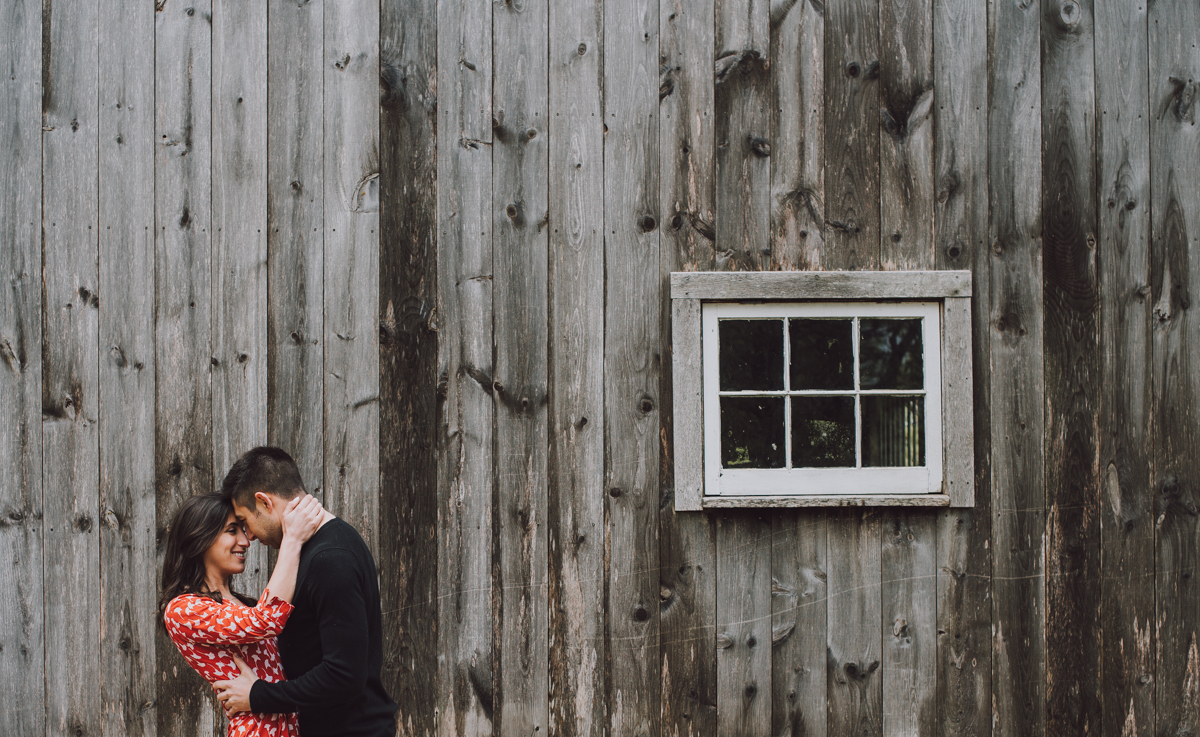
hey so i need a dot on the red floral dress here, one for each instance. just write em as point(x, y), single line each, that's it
point(207, 632)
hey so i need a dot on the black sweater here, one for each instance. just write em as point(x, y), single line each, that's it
point(332, 646)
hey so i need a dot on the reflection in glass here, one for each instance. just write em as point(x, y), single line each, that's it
point(893, 430)
point(751, 354)
point(752, 432)
point(890, 354)
point(822, 354)
point(822, 432)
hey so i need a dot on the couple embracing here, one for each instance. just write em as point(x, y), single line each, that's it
point(304, 659)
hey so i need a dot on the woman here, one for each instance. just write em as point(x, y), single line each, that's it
point(211, 624)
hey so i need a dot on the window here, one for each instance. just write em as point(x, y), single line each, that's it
point(822, 388)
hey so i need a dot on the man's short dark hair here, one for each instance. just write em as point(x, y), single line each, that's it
point(266, 469)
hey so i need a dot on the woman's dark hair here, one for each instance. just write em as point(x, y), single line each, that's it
point(196, 524)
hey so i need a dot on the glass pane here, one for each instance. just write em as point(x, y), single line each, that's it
point(822, 354)
point(752, 432)
point(751, 355)
point(893, 430)
point(890, 354)
point(822, 432)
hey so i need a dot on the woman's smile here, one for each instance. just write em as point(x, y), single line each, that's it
point(226, 555)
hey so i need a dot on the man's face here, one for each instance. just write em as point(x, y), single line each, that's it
point(263, 522)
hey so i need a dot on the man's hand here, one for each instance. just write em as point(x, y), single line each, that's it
point(235, 695)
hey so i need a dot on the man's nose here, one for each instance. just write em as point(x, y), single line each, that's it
point(248, 535)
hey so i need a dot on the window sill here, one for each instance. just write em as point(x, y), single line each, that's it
point(731, 502)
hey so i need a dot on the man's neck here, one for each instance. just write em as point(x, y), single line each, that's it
point(326, 519)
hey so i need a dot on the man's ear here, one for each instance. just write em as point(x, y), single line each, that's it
point(266, 500)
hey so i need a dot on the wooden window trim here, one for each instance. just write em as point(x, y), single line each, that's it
point(951, 288)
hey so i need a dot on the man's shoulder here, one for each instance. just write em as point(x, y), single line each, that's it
point(336, 546)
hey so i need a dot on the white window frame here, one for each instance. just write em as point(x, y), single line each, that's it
point(856, 481)
point(947, 293)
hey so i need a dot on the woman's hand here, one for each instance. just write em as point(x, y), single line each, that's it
point(301, 518)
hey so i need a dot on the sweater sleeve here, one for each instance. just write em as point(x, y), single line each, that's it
point(203, 621)
point(340, 604)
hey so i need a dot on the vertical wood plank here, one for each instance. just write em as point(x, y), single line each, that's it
point(687, 143)
point(742, 122)
point(295, 235)
point(70, 376)
point(906, 98)
point(964, 606)
point(578, 654)
point(351, 385)
point(798, 604)
point(909, 538)
point(854, 683)
point(1017, 388)
point(520, 218)
point(183, 449)
point(239, 249)
point(127, 368)
point(853, 610)
point(465, 383)
point(797, 100)
point(852, 133)
point(687, 417)
point(1174, 76)
point(408, 481)
point(632, 362)
point(908, 598)
point(744, 620)
point(22, 619)
point(1072, 368)
point(687, 556)
point(1126, 506)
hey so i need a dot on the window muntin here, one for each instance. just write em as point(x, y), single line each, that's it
point(822, 398)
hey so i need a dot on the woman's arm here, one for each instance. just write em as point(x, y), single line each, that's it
point(197, 619)
point(301, 519)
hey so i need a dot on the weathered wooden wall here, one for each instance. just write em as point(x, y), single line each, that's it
point(425, 245)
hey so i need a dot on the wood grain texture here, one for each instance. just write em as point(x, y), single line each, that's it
point(183, 450)
point(744, 623)
point(1072, 368)
point(854, 655)
point(22, 619)
point(798, 608)
point(864, 285)
point(632, 363)
point(852, 173)
point(835, 500)
point(1017, 389)
point(906, 99)
point(352, 246)
point(466, 415)
point(70, 375)
point(126, 523)
point(908, 598)
point(742, 125)
point(687, 406)
point(408, 355)
point(239, 246)
point(578, 653)
point(687, 557)
point(686, 135)
point(520, 218)
point(958, 435)
point(295, 235)
point(796, 100)
point(1126, 504)
point(1175, 224)
point(964, 605)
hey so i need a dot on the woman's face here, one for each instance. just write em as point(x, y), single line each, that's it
point(227, 554)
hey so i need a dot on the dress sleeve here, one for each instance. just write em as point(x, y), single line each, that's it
point(200, 620)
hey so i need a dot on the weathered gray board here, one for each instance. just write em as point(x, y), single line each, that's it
point(1014, 94)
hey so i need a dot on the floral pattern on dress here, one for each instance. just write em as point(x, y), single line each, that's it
point(209, 632)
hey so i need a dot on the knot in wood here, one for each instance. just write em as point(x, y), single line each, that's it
point(640, 614)
point(582, 49)
point(760, 147)
point(614, 492)
point(647, 224)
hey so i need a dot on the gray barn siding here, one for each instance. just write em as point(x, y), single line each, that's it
point(451, 305)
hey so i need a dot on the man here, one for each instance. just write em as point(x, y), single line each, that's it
point(332, 645)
